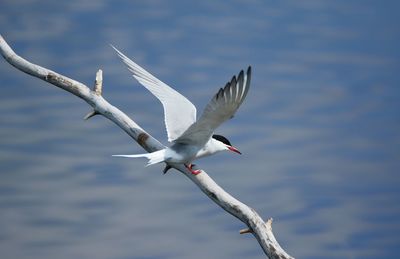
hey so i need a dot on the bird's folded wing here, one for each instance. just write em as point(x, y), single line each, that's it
point(179, 112)
point(222, 107)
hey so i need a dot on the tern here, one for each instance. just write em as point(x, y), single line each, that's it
point(190, 138)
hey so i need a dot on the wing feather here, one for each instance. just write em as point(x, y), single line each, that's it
point(222, 107)
point(179, 112)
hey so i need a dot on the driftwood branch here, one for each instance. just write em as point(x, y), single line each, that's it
point(261, 230)
point(97, 89)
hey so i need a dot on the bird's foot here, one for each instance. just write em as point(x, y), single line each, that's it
point(190, 167)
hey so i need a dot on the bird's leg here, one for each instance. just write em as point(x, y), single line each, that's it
point(190, 166)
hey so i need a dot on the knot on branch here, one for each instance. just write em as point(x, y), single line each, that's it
point(268, 224)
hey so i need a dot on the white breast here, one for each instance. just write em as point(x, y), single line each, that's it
point(213, 146)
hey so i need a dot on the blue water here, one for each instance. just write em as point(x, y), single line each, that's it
point(319, 130)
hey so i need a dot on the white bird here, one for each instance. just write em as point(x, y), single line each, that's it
point(190, 138)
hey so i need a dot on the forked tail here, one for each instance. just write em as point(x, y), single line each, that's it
point(154, 157)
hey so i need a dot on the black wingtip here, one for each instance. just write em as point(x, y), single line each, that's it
point(241, 74)
point(248, 74)
point(220, 93)
point(233, 80)
point(226, 86)
point(248, 70)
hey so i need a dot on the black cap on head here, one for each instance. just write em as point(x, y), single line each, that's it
point(222, 139)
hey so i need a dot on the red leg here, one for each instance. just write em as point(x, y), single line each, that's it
point(190, 166)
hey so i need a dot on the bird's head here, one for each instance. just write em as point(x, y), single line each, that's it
point(225, 143)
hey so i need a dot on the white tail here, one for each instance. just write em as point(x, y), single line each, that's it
point(154, 158)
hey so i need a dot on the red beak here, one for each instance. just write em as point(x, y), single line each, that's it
point(234, 150)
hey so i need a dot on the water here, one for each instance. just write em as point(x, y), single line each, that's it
point(319, 130)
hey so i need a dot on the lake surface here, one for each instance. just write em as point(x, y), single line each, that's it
point(319, 130)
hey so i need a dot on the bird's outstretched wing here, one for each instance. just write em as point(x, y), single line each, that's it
point(222, 107)
point(179, 112)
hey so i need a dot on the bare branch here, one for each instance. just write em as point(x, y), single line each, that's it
point(98, 83)
point(98, 88)
point(262, 231)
